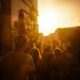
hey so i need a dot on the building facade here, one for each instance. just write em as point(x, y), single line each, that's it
point(67, 37)
point(17, 16)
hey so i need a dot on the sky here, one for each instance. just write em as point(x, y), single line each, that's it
point(63, 13)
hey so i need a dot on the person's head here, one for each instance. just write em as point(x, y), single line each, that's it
point(69, 49)
point(20, 42)
point(34, 44)
point(57, 52)
point(35, 54)
point(48, 48)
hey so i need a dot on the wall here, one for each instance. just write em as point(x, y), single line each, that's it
point(5, 24)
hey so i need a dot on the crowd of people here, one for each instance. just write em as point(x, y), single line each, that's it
point(30, 64)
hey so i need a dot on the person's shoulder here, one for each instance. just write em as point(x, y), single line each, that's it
point(28, 55)
point(5, 55)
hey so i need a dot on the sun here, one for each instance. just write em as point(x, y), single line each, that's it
point(47, 21)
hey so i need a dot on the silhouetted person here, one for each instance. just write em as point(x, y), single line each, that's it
point(70, 63)
point(58, 66)
point(46, 57)
point(35, 53)
point(16, 65)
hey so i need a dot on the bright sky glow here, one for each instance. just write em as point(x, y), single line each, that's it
point(47, 21)
point(57, 13)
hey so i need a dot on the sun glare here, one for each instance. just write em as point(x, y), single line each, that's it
point(47, 21)
point(50, 18)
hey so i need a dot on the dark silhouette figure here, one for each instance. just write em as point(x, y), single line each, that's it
point(58, 66)
point(35, 53)
point(46, 58)
point(16, 65)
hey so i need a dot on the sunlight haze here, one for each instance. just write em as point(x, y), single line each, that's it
point(57, 13)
